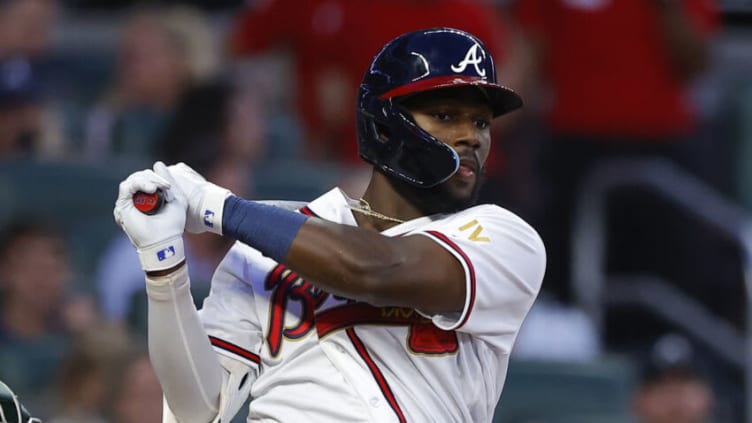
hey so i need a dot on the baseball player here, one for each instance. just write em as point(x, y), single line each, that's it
point(400, 306)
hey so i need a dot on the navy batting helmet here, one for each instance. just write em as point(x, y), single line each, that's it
point(11, 410)
point(411, 63)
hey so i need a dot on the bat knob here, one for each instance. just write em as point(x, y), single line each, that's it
point(149, 203)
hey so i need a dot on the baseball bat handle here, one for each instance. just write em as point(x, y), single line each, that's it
point(149, 204)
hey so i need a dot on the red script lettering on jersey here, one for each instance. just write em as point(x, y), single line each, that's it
point(423, 336)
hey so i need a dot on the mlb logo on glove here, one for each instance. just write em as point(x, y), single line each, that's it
point(166, 253)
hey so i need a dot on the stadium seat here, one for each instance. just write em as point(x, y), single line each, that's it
point(544, 392)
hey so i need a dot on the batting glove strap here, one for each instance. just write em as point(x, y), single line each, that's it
point(162, 255)
point(212, 208)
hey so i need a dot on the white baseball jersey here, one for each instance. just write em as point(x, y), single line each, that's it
point(321, 358)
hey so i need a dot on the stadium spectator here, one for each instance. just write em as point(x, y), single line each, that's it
point(162, 52)
point(138, 396)
point(20, 109)
point(26, 27)
point(216, 120)
point(28, 123)
point(331, 43)
point(35, 333)
point(672, 388)
point(616, 77)
point(88, 373)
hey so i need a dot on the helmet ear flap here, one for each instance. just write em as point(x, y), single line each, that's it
point(426, 161)
point(399, 147)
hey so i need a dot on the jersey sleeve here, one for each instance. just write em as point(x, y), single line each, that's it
point(236, 387)
point(229, 312)
point(504, 260)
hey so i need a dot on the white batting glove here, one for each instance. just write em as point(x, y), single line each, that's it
point(206, 200)
point(158, 238)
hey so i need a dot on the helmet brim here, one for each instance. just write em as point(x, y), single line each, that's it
point(502, 99)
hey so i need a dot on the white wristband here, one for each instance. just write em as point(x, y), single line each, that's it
point(211, 208)
point(163, 255)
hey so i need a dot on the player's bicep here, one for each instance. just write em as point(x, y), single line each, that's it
point(432, 279)
point(504, 261)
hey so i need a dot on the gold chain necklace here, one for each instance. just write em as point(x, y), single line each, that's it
point(365, 208)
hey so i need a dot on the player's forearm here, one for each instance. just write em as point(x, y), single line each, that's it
point(266, 228)
point(183, 359)
point(349, 261)
point(346, 258)
point(382, 271)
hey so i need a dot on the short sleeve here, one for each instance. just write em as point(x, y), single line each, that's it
point(229, 312)
point(504, 261)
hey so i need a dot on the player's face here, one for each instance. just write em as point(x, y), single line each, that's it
point(460, 118)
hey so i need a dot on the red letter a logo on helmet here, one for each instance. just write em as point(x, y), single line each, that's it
point(472, 58)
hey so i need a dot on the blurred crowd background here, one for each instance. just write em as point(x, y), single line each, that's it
point(632, 157)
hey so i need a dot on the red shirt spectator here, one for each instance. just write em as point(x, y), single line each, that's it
point(610, 68)
point(334, 41)
point(618, 74)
